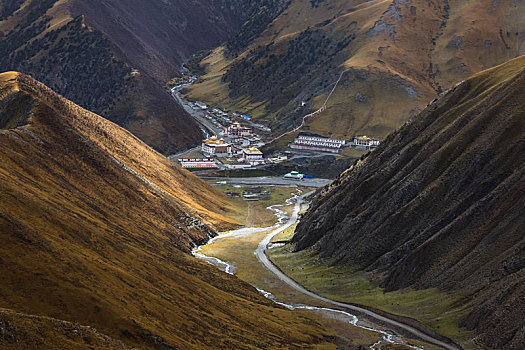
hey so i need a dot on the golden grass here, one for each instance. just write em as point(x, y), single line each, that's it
point(93, 227)
point(285, 235)
point(162, 174)
point(8, 83)
point(256, 213)
point(211, 89)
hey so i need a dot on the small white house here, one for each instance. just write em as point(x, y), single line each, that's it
point(201, 105)
point(365, 142)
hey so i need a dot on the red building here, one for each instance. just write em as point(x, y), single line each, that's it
point(235, 131)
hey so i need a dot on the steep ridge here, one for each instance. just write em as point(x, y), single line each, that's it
point(18, 332)
point(113, 57)
point(95, 226)
point(157, 36)
point(440, 205)
point(397, 56)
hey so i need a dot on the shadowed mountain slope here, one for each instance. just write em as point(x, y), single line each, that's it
point(95, 229)
point(113, 57)
point(157, 36)
point(440, 204)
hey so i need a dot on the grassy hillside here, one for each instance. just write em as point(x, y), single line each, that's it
point(95, 229)
point(113, 57)
point(45, 39)
point(22, 331)
point(439, 205)
point(396, 57)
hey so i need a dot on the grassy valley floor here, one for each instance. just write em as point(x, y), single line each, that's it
point(239, 251)
point(437, 310)
point(255, 213)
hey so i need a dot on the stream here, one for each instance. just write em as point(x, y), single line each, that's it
point(283, 223)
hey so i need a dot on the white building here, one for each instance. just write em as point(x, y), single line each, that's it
point(365, 142)
point(253, 156)
point(237, 131)
point(216, 147)
point(279, 159)
point(198, 163)
point(201, 105)
point(317, 143)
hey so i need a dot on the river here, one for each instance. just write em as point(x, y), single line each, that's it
point(343, 311)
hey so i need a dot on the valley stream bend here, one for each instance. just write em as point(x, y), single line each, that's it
point(342, 309)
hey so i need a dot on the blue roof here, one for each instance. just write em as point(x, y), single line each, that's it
point(246, 117)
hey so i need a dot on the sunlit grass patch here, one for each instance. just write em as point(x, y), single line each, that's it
point(436, 309)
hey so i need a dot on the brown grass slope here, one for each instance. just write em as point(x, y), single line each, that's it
point(397, 54)
point(440, 204)
point(21, 331)
point(95, 227)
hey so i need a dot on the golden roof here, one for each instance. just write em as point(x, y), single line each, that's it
point(252, 150)
point(214, 141)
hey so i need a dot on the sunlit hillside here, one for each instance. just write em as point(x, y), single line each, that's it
point(395, 56)
point(96, 228)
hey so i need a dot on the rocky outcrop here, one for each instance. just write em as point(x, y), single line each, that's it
point(440, 204)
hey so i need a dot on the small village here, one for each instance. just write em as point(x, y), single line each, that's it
point(234, 142)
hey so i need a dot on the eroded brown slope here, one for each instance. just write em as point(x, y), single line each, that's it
point(440, 204)
point(95, 225)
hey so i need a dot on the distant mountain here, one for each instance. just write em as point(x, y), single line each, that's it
point(96, 228)
point(440, 205)
point(396, 57)
point(113, 57)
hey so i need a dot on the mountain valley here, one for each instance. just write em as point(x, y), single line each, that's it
point(96, 231)
point(439, 205)
point(262, 174)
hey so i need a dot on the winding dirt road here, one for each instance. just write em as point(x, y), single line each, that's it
point(265, 261)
